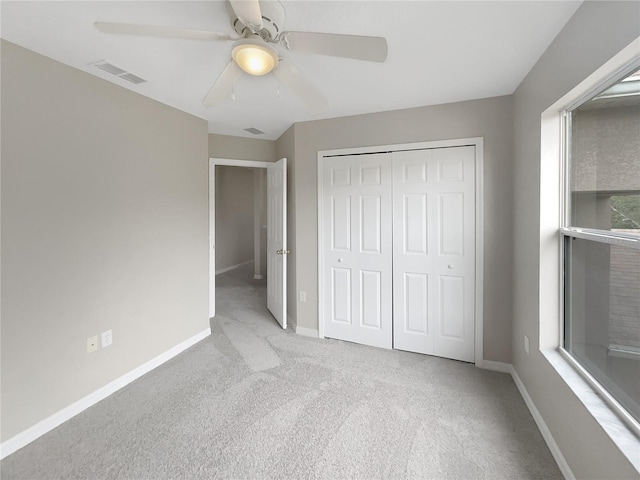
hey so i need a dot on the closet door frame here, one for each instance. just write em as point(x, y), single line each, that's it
point(478, 143)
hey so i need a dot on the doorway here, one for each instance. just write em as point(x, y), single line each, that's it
point(271, 186)
point(241, 219)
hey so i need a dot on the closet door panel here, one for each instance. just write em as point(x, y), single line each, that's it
point(451, 224)
point(340, 292)
point(414, 222)
point(415, 303)
point(434, 247)
point(412, 282)
point(357, 249)
point(454, 263)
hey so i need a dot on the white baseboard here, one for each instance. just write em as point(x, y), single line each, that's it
point(537, 417)
point(544, 430)
point(496, 366)
point(233, 267)
point(307, 332)
point(303, 331)
point(32, 433)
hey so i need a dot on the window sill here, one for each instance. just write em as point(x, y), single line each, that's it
point(621, 434)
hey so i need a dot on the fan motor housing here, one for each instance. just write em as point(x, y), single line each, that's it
point(272, 21)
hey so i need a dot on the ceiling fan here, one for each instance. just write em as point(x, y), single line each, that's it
point(258, 24)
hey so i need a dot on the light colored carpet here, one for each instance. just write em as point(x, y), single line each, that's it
point(254, 401)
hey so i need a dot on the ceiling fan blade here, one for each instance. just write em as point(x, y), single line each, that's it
point(248, 11)
point(222, 90)
point(289, 75)
point(154, 31)
point(372, 49)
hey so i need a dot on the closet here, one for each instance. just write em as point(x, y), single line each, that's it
point(398, 260)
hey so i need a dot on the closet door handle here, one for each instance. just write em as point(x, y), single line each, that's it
point(340, 260)
point(450, 266)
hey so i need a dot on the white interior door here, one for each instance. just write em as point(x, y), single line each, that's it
point(212, 239)
point(357, 249)
point(277, 240)
point(434, 252)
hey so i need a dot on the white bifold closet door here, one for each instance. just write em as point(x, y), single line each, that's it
point(434, 252)
point(399, 250)
point(357, 249)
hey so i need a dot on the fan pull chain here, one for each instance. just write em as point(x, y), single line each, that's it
point(233, 91)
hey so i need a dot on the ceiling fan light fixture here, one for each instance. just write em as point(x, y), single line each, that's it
point(254, 56)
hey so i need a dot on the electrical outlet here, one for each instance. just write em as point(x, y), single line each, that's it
point(92, 344)
point(303, 296)
point(107, 338)
point(526, 344)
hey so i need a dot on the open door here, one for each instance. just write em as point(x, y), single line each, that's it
point(277, 240)
point(212, 238)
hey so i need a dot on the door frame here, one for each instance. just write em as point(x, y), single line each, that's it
point(478, 143)
point(213, 162)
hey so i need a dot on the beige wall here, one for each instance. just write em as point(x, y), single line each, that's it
point(242, 148)
point(234, 216)
point(104, 226)
point(596, 33)
point(285, 148)
point(489, 118)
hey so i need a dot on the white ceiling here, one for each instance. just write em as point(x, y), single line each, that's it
point(439, 52)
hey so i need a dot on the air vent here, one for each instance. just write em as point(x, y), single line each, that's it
point(130, 77)
point(118, 72)
point(255, 131)
point(109, 68)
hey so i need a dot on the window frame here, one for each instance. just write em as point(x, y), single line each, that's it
point(566, 230)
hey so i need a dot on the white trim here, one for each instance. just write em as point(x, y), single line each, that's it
point(553, 211)
point(603, 236)
point(552, 179)
point(479, 346)
point(577, 379)
point(496, 366)
point(233, 267)
point(32, 433)
point(213, 162)
point(396, 147)
point(563, 465)
point(604, 394)
point(544, 430)
point(212, 238)
point(478, 143)
point(320, 250)
point(306, 332)
point(302, 331)
point(229, 162)
point(623, 351)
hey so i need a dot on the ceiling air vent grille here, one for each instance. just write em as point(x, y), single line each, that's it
point(109, 68)
point(130, 77)
point(118, 72)
point(255, 131)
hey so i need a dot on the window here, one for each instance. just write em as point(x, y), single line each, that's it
point(601, 238)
